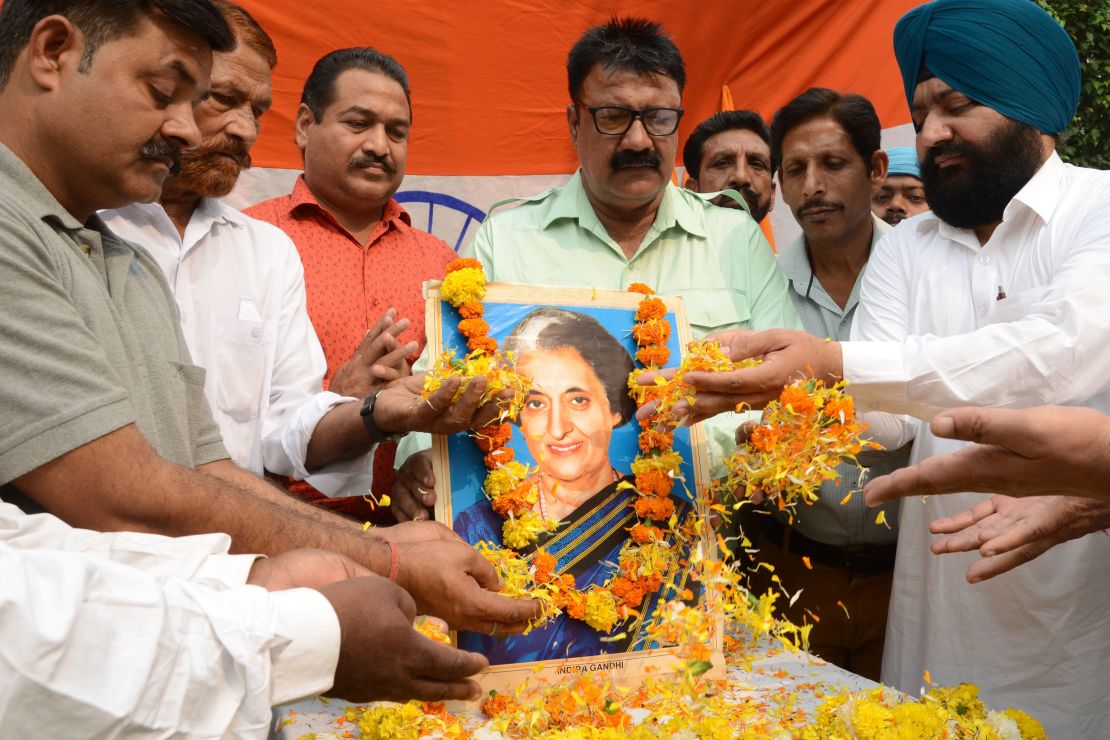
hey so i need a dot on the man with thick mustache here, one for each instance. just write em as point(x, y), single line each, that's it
point(361, 255)
point(732, 150)
point(827, 153)
point(996, 298)
point(239, 287)
point(620, 220)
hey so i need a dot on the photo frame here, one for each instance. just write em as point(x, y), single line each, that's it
point(579, 427)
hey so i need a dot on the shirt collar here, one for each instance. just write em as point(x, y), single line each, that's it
point(794, 260)
point(1040, 195)
point(33, 195)
point(393, 214)
point(677, 208)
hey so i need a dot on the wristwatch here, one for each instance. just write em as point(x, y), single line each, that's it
point(377, 436)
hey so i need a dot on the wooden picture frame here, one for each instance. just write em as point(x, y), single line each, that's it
point(460, 472)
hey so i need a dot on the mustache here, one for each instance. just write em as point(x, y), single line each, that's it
point(230, 146)
point(359, 161)
point(815, 203)
point(954, 147)
point(163, 149)
point(631, 158)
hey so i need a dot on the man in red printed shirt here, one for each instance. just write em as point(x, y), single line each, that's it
point(361, 255)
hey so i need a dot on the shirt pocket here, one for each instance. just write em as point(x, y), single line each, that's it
point(1018, 305)
point(716, 310)
point(243, 360)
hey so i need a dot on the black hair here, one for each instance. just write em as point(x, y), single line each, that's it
point(549, 329)
point(626, 44)
point(854, 113)
point(319, 88)
point(104, 20)
point(726, 120)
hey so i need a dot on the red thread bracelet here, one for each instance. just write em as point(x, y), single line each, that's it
point(393, 561)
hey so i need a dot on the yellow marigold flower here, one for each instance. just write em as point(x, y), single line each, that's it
point(392, 722)
point(1030, 728)
point(601, 609)
point(916, 720)
point(872, 721)
point(505, 479)
point(521, 531)
point(463, 286)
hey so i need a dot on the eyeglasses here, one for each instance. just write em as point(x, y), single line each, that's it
point(613, 120)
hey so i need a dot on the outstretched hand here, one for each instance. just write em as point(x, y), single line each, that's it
point(450, 580)
point(1008, 532)
point(1033, 452)
point(381, 656)
point(787, 355)
point(401, 407)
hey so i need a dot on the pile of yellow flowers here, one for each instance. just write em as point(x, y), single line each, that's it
point(885, 714)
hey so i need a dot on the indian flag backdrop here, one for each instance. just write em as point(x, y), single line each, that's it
point(489, 80)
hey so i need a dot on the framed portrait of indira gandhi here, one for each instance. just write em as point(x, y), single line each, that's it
point(577, 438)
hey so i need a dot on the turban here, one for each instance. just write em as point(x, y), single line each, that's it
point(1006, 54)
point(903, 161)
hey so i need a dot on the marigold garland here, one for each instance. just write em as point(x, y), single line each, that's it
point(802, 438)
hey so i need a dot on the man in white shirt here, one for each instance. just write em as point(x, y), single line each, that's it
point(178, 638)
point(997, 298)
point(239, 287)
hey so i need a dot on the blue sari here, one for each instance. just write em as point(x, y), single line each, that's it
point(587, 545)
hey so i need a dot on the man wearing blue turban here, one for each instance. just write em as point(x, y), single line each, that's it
point(998, 297)
point(901, 194)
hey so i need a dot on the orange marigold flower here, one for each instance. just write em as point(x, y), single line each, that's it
point(654, 508)
point(654, 483)
point(655, 331)
point(492, 436)
point(797, 398)
point(545, 566)
point(472, 310)
point(627, 591)
point(764, 438)
point(651, 308)
point(497, 703)
point(640, 288)
point(653, 356)
point(652, 439)
point(641, 534)
point(519, 500)
point(462, 263)
point(837, 407)
point(499, 456)
point(576, 604)
point(471, 328)
point(486, 344)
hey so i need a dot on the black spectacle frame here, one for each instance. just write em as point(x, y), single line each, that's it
point(616, 120)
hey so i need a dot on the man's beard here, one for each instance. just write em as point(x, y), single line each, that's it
point(976, 191)
point(208, 174)
point(757, 210)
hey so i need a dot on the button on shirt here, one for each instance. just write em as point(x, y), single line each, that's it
point(715, 258)
point(935, 334)
point(239, 287)
point(829, 520)
point(110, 634)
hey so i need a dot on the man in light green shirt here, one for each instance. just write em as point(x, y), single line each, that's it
point(620, 220)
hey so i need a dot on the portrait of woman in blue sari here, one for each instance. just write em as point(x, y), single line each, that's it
point(578, 396)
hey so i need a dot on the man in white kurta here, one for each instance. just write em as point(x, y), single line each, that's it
point(1037, 637)
point(997, 298)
